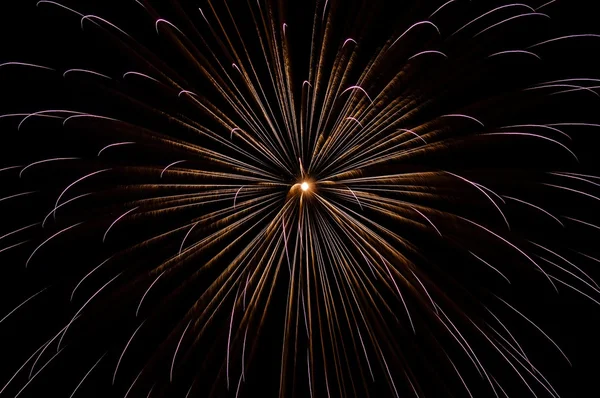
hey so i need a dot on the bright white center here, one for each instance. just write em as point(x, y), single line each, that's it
point(304, 186)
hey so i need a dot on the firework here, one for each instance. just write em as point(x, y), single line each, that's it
point(317, 199)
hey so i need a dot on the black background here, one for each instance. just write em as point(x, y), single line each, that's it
point(30, 34)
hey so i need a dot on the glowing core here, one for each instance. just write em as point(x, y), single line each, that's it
point(304, 186)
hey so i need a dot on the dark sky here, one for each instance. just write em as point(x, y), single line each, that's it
point(31, 35)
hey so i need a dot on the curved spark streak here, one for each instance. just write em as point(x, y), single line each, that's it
point(354, 120)
point(185, 237)
point(480, 188)
point(132, 384)
point(113, 145)
point(492, 11)
point(43, 113)
point(347, 41)
point(146, 292)
point(53, 211)
point(441, 7)
point(414, 26)
point(22, 304)
point(236, 195)
point(233, 131)
point(16, 195)
point(188, 92)
point(464, 116)
point(44, 161)
point(545, 4)
point(168, 166)
point(177, 349)
point(140, 74)
point(529, 14)
point(90, 116)
point(125, 349)
point(86, 71)
point(540, 137)
point(10, 167)
point(361, 89)
point(86, 375)
point(38, 372)
point(13, 246)
point(72, 184)
point(516, 248)
point(88, 274)
point(114, 222)
point(576, 220)
point(564, 38)
point(428, 220)
point(59, 5)
point(19, 230)
point(66, 328)
point(413, 133)
point(535, 207)
point(16, 63)
point(489, 265)
point(542, 126)
point(428, 52)
point(90, 17)
point(168, 23)
point(47, 240)
point(538, 328)
point(515, 52)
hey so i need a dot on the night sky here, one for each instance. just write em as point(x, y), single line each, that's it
point(492, 90)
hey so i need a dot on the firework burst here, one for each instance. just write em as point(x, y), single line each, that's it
point(318, 199)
